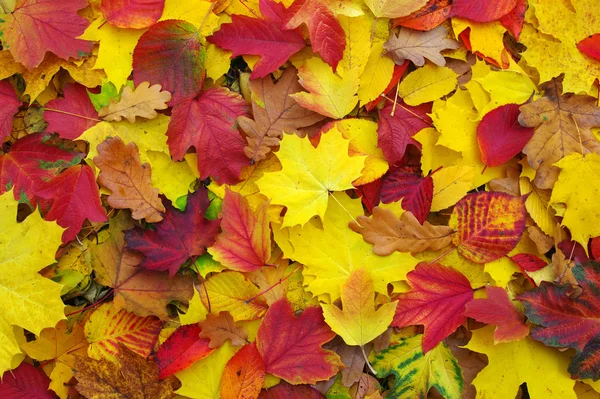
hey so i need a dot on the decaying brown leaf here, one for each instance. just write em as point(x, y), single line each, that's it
point(275, 112)
point(122, 172)
point(387, 233)
point(410, 44)
point(132, 377)
point(142, 102)
point(220, 328)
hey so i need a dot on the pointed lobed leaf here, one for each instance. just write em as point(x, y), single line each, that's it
point(220, 328)
point(489, 225)
point(134, 14)
point(75, 101)
point(26, 382)
point(244, 374)
point(108, 327)
point(416, 371)
point(208, 123)
point(434, 13)
point(10, 106)
point(38, 26)
point(178, 237)
point(358, 322)
point(245, 243)
point(482, 10)
point(170, 54)
point(500, 136)
point(182, 349)
point(569, 321)
point(262, 37)
point(409, 44)
point(437, 300)
point(284, 390)
point(75, 198)
point(590, 46)
point(409, 185)
point(497, 309)
point(291, 347)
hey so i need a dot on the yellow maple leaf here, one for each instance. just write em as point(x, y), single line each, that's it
point(358, 44)
point(29, 300)
point(359, 323)
point(309, 174)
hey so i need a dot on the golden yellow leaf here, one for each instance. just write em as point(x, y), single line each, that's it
point(173, 179)
point(394, 8)
point(376, 76)
point(427, 83)
point(450, 185)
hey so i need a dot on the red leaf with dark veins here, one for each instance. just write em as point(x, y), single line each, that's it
point(75, 101)
point(369, 194)
point(395, 132)
point(415, 190)
point(25, 382)
point(513, 21)
point(182, 349)
point(327, 36)
point(30, 162)
point(38, 26)
point(263, 37)
point(10, 106)
point(178, 237)
point(75, 197)
point(134, 14)
point(208, 123)
point(528, 262)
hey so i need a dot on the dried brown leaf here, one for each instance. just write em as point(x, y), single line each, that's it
point(220, 328)
point(142, 102)
point(414, 45)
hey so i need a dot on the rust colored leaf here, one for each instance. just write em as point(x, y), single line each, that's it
point(182, 349)
point(122, 172)
point(244, 374)
point(220, 328)
point(142, 102)
point(489, 225)
point(387, 233)
point(132, 377)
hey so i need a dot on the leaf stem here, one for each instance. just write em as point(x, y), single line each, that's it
point(362, 349)
point(349, 214)
point(281, 280)
point(71, 114)
point(443, 254)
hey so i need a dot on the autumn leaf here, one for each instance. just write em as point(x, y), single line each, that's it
point(131, 377)
point(72, 114)
point(392, 9)
point(26, 381)
point(10, 107)
point(132, 14)
point(220, 328)
point(427, 84)
point(409, 185)
point(182, 349)
point(409, 44)
point(481, 10)
point(428, 17)
point(358, 323)
point(142, 102)
point(291, 347)
point(590, 46)
point(283, 390)
point(437, 300)
point(244, 374)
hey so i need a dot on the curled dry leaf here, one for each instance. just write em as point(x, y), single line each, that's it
point(409, 44)
point(142, 102)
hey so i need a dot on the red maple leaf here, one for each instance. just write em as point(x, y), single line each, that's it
point(208, 123)
point(436, 300)
point(327, 36)
point(134, 14)
point(37, 26)
point(26, 381)
point(10, 105)
point(263, 37)
point(291, 347)
point(178, 237)
point(415, 190)
point(75, 198)
point(81, 114)
point(182, 349)
point(30, 162)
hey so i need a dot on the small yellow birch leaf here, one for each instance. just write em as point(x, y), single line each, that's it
point(511, 364)
point(427, 83)
point(358, 45)
point(433, 155)
point(486, 38)
point(450, 184)
point(376, 76)
point(362, 134)
point(538, 206)
point(173, 179)
point(115, 54)
point(196, 311)
point(328, 94)
point(394, 8)
point(578, 186)
point(309, 174)
point(358, 322)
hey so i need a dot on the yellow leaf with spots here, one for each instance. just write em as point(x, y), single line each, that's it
point(427, 83)
point(358, 322)
point(309, 174)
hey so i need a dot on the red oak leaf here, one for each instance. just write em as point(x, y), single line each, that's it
point(432, 15)
point(291, 347)
point(178, 237)
point(37, 26)
point(245, 243)
point(170, 54)
point(415, 190)
point(436, 300)
point(568, 321)
point(590, 46)
point(30, 162)
point(25, 382)
point(244, 374)
point(10, 105)
point(489, 225)
point(283, 390)
point(134, 14)
point(500, 136)
point(498, 309)
point(395, 131)
point(182, 349)
point(75, 198)
point(482, 10)
point(513, 21)
point(327, 36)
point(208, 123)
point(263, 37)
point(75, 101)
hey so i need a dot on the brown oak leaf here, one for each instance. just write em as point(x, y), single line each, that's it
point(220, 328)
point(410, 44)
point(142, 102)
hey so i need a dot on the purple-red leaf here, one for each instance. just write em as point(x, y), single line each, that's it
point(25, 382)
point(182, 349)
point(78, 116)
point(10, 106)
point(415, 190)
point(283, 390)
